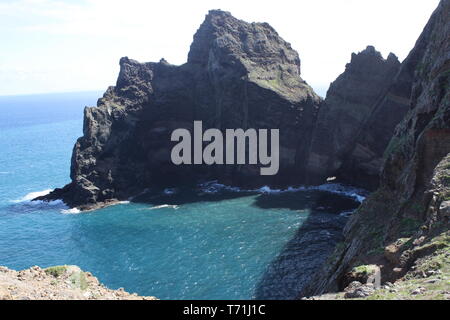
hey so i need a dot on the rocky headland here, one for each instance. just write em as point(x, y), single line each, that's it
point(238, 75)
point(383, 126)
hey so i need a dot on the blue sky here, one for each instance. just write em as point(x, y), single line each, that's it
point(61, 46)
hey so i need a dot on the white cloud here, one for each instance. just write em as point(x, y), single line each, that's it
point(85, 39)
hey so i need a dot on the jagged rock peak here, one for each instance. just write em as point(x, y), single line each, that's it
point(371, 56)
point(371, 50)
point(130, 70)
point(164, 61)
point(392, 57)
point(251, 42)
point(349, 103)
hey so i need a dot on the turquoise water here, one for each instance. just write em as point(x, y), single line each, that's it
point(208, 243)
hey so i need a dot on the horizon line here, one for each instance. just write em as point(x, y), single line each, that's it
point(50, 93)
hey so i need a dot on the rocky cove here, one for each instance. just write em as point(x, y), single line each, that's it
point(238, 75)
point(383, 126)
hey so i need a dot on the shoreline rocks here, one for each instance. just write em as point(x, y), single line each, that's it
point(57, 283)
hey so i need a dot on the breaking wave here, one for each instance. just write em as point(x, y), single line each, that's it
point(30, 196)
point(164, 206)
point(70, 211)
point(27, 200)
point(355, 193)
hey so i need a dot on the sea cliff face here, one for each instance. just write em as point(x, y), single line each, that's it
point(346, 114)
point(403, 226)
point(238, 75)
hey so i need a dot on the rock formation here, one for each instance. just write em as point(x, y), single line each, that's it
point(345, 115)
point(57, 283)
point(382, 125)
point(238, 75)
point(406, 220)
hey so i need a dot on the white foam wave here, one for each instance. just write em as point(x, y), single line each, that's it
point(27, 200)
point(71, 211)
point(351, 192)
point(267, 189)
point(76, 210)
point(164, 206)
point(53, 202)
point(215, 187)
point(30, 196)
point(355, 193)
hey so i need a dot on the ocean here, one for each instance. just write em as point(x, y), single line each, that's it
point(211, 242)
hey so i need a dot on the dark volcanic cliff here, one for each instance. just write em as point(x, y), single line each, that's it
point(380, 119)
point(344, 116)
point(405, 222)
point(238, 75)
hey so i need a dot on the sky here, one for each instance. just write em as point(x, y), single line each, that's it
point(63, 46)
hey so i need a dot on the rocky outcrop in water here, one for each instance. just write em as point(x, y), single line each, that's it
point(349, 110)
point(403, 226)
point(238, 75)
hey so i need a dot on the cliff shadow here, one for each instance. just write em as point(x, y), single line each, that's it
point(311, 245)
point(189, 195)
point(304, 253)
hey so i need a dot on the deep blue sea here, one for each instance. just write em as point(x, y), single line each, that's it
point(213, 242)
